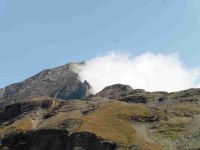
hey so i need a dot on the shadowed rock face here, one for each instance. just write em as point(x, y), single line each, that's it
point(1, 93)
point(10, 112)
point(61, 82)
point(56, 140)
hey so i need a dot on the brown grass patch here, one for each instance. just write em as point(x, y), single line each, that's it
point(111, 122)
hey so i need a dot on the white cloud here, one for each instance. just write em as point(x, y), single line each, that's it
point(152, 72)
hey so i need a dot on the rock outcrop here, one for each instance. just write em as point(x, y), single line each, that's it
point(117, 91)
point(60, 82)
point(10, 112)
point(56, 140)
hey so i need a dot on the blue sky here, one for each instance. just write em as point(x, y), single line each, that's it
point(38, 34)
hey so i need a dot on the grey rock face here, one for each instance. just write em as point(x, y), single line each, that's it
point(60, 82)
point(117, 91)
point(56, 140)
point(1, 93)
point(10, 112)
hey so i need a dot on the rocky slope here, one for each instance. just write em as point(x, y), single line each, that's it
point(168, 121)
point(60, 82)
point(56, 140)
point(1, 93)
point(118, 117)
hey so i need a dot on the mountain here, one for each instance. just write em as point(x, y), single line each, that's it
point(35, 115)
point(60, 82)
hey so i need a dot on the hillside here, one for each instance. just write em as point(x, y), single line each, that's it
point(118, 117)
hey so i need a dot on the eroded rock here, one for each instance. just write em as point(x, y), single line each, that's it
point(56, 140)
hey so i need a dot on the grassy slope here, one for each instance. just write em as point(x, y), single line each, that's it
point(112, 122)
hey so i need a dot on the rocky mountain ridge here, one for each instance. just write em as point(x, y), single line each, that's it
point(60, 82)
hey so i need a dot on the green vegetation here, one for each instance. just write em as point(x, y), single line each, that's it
point(173, 128)
point(112, 122)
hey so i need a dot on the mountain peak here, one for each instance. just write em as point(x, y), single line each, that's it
point(59, 82)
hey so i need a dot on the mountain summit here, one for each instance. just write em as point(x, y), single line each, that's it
point(60, 82)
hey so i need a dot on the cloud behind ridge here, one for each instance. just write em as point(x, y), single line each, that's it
point(149, 71)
